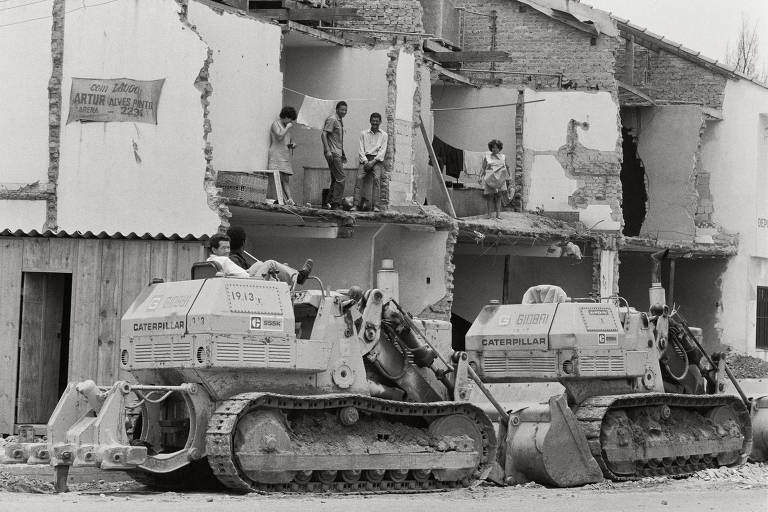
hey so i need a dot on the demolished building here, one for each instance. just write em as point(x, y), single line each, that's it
point(90, 212)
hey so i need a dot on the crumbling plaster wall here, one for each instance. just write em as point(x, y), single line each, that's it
point(132, 177)
point(668, 144)
point(735, 152)
point(572, 156)
point(28, 66)
point(537, 43)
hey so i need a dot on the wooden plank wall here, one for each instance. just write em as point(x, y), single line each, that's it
point(10, 307)
point(106, 276)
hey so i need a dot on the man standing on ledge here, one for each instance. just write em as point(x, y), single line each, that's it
point(373, 148)
point(333, 147)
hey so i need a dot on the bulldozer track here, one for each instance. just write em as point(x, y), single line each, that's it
point(221, 427)
point(592, 412)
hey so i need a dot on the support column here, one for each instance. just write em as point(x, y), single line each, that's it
point(608, 269)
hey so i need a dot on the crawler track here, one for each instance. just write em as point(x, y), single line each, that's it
point(224, 463)
point(673, 451)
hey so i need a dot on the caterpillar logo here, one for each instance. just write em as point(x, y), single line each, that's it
point(607, 339)
point(266, 323)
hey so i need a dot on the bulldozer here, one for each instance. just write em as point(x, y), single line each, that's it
point(642, 396)
point(253, 385)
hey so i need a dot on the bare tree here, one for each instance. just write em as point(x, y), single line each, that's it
point(746, 52)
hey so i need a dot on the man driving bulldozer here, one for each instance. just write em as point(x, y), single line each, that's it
point(264, 270)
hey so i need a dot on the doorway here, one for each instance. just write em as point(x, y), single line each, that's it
point(43, 345)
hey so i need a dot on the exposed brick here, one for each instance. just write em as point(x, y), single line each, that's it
point(668, 78)
point(387, 15)
point(539, 44)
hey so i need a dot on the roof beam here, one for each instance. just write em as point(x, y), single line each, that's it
point(308, 14)
point(470, 56)
point(637, 92)
point(656, 44)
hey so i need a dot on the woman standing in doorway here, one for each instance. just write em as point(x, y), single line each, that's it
point(495, 177)
point(281, 148)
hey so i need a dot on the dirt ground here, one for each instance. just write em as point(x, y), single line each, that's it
point(742, 489)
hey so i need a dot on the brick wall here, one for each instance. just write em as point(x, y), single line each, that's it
point(539, 44)
point(668, 78)
point(393, 15)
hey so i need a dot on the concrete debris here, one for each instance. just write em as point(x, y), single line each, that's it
point(753, 474)
point(747, 367)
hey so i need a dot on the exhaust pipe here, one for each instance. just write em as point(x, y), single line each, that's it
point(656, 293)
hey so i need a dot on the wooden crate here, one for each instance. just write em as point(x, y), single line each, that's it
point(246, 186)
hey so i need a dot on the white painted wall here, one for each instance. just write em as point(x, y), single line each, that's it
point(247, 85)
point(546, 123)
point(25, 59)
point(406, 85)
point(401, 180)
point(24, 215)
point(133, 177)
point(733, 151)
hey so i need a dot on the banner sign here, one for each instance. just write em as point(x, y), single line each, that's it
point(118, 99)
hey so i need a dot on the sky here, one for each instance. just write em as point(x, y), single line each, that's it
point(702, 25)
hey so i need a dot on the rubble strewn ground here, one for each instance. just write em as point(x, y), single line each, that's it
point(747, 476)
point(747, 367)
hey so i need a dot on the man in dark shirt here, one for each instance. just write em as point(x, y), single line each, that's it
point(238, 255)
point(237, 246)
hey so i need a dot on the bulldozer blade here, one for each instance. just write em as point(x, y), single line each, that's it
point(545, 444)
point(759, 414)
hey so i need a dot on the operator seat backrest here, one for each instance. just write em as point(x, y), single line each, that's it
point(544, 293)
point(205, 269)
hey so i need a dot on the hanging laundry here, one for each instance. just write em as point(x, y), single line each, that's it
point(473, 162)
point(314, 111)
point(449, 157)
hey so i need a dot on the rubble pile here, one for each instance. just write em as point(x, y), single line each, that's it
point(15, 483)
point(747, 367)
point(752, 474)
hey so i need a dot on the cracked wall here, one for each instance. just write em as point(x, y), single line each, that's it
point(127, 176)
point(669, 139)
point(572, 156)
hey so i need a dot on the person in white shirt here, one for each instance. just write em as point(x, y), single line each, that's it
point(220, 247)
point(373, 149)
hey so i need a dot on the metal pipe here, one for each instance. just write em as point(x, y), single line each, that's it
point(145, 387)
point(484, 106)
point(556, 75)
point(373, 253)
point(375, 31)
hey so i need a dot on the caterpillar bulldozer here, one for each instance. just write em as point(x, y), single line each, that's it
point(252, 385)
point(642, 397)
